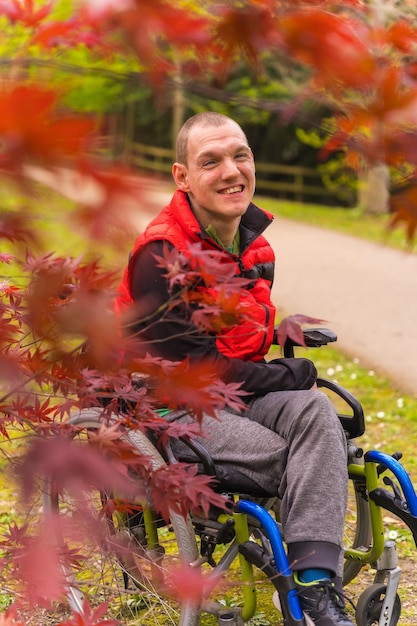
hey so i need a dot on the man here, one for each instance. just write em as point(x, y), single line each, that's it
point(288, 440)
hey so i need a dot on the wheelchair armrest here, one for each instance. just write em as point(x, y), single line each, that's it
point(353, 424)
point(313, 338)
point(316, 337)
point(200, 453)
point(228, 477)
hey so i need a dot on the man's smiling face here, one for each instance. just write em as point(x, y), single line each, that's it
point(219, 176)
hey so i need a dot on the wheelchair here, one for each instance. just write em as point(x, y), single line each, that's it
point(138, 561)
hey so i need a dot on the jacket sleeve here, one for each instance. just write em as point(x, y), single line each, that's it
point(168, 333)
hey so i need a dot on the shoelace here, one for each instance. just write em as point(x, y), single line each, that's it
point(329, 593)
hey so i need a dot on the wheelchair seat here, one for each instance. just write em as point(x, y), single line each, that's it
point(226, 477)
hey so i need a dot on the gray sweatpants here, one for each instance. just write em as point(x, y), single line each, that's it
point(291, 443)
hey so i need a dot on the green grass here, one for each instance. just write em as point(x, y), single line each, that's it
point(349, 221)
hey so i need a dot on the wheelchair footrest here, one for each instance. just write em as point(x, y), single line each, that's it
point(397, 505)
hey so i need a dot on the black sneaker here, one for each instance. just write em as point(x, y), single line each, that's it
point(323, 604)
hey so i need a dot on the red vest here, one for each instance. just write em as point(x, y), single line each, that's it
point(251, 339)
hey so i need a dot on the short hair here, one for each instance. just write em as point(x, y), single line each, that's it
point(205, 119)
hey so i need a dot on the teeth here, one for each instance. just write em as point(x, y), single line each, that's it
point(233, 189)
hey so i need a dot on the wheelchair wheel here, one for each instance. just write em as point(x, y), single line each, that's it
point(368, 609)
point(358, 527)
point(113, 563)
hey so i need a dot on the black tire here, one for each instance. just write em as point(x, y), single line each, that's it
point(368, 609)
point(358, 527)
point(101, 573)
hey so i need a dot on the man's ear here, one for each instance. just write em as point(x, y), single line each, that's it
point(179, 173)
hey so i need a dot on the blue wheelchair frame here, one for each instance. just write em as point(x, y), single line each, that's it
point(290, 604)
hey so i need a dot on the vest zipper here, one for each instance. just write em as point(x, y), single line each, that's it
point(265, 334)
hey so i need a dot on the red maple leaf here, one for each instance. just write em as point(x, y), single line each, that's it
point(16, 227)
point(67, 34)
point(402, 35)
point(91, 617)
point(31, 128)
point(24, 11)
point(179, 488)
point(37, 411)
point(6, 258)
point(40, 569)
point(196, 386)
point(166, 431)
point(291, 328)
point(15, 534)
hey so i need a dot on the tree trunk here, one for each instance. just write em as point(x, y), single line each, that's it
point(374, 190)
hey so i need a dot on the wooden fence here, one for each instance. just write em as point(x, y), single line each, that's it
point(292, 182)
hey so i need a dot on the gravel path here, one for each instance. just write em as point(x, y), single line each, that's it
point(366, 292)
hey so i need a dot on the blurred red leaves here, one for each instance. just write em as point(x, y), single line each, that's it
point(181, 489)
point(345, 52)
point(32, 130)
point(379, 127)
point(9, 618)
point(67, 34)
point(65, 299)
point(39, 567)
point(190, 585)
point(112, 210)
point(148, 26)
point(195, 385)
point(403, 206)
point(179, 25)
point(336, 47)
point(25, 11)
point(249, 31)
point(402, 35)
point(77, 466)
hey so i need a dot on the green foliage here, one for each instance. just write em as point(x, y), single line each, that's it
point(310, 138)
point(5, 601)
point(92, 83)
point(336, 177)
